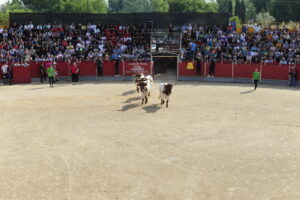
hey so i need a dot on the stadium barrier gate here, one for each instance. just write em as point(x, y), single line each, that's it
point(227, 72)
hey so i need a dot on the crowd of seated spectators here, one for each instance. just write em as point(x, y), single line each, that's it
point(24, 43)
point(252, 43)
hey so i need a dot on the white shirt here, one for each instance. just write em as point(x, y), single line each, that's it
point(4, 69)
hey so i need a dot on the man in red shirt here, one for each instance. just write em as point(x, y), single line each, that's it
point(74, 72)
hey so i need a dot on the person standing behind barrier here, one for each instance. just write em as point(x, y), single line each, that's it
point(198, 63)
point(43, 72)
point(170, 32)
point(10, 74)
point(255, 78)
point(99, 64)
point(212, 68)
point(74, 72)
point(51, 73)
point(292, 76)
point(4, 69)
point(117, 63)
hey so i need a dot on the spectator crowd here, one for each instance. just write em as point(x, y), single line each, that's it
point(24, 43)
point(252, 43)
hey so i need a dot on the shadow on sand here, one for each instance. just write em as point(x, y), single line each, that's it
point(247, 92)
point(128, 93)
point(132, 99)
point(128, 107)
point(152, 108)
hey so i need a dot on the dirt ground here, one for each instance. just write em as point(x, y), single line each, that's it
point(94, 141)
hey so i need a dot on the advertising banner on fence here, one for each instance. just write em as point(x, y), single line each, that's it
point(132, 68)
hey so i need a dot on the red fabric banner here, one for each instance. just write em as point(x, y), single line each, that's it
point(21, 74)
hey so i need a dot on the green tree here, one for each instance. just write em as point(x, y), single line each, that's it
point(247, 8)
point(230, 8)
point(136, 6)
point(159, 6)
point(191, 6)
point(13, 6)
point(243, 11)
point(240, 10)
point(264, 18)
point(94, 6)
point(222, 6)
point(237, 8)
point(262, 5)
point(286, 11)
point(116, 6)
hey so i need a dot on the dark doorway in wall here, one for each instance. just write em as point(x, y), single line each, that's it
point(164, 65)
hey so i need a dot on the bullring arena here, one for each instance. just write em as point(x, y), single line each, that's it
point(95, 141)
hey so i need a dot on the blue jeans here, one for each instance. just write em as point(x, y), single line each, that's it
point(292, 82)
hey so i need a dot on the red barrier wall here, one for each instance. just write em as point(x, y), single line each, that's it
point(298, 72)
point(21, 74)
point(62, 68)
point(132, 68)
point(87, 68)
point(222, 70)
point(121, 68)
point(275, 72)
point(35, 69)
point(269, 71)
point(183, 71)
point(108, 69)
point(1, 70)
point(245, 70)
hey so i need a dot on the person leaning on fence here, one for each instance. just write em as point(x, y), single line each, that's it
point(292, 76)
point(51, 74)
point(256, 78)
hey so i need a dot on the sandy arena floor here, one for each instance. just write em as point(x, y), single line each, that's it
point(94, 141)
